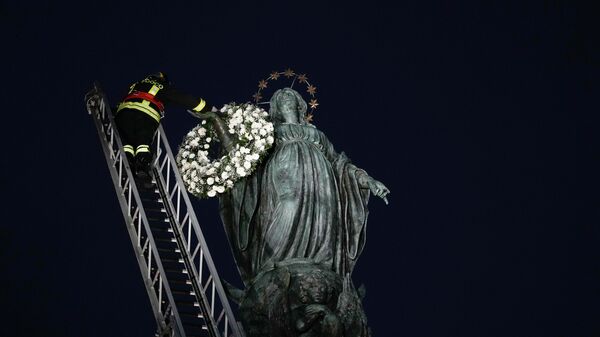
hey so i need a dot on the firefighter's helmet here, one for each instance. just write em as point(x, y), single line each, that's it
point(160, 77)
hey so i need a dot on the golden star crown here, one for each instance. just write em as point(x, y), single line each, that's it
point(289, 74)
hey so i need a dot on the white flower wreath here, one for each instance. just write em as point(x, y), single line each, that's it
point(252, 134)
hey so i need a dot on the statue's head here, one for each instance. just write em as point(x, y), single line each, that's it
point(287, 104)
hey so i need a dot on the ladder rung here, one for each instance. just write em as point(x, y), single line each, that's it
point(198, 324)
point(168, 250)
point(168, 260)
point(187, 303)
point(161, 230)
point(156, 210)
point(181, 282)
point(170, 239)
point(157, 219)
point(194, 315)
point(183, 292)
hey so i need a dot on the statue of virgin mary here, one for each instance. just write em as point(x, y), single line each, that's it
point(306, 202)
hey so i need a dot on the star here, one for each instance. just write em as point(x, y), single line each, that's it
point(289, 72)
point(309, 118)
point(262, 84)
point(313, 103)
point(257, 96)
point(274, 75)
point(311, 89)
point(302, 78)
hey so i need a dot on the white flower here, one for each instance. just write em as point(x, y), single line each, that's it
point(190, 134)
point(263, 132)
point(210, 180)
point(203, 122)
point(192, 156)
point(240, 171)
point(202, 132)
point(228, 168)
point(206, 146)
point(224, 175)
point(232, 131)
point(270, 140)
point(208, 139)
point(247, 165)
point(220, 188)
point(211, 193)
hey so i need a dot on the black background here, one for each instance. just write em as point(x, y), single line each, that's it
point(477, 116)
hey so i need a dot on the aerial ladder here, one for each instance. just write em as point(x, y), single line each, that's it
point(185, 291)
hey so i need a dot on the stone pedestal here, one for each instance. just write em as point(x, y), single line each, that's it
point(298, 298)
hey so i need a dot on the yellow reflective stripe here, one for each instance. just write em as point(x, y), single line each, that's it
point(153, 90)
point(142, 148)
point(143, 107)
point(200, 105)
point(128, 148)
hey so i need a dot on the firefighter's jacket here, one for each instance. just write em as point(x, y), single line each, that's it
point(150, 97)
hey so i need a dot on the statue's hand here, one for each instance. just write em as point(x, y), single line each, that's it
point(379, 189)
point(203, 115)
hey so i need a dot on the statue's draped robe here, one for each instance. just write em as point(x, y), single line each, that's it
point(304, 201)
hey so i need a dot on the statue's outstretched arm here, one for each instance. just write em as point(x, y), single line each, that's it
point(376, 186)
point(364, 179)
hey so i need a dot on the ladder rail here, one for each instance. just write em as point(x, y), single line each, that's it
point(193, 244)
point(136, 220)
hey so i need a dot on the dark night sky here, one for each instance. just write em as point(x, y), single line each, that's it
point(476, 116)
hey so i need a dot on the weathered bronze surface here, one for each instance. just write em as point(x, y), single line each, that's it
point(297, 226)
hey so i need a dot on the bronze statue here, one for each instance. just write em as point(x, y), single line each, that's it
point(297, 226)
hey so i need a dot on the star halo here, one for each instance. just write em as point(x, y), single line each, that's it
point(289, 74)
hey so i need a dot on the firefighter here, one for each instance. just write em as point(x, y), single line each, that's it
point(138, 116)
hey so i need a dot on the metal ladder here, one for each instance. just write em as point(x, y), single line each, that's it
point(185, 291)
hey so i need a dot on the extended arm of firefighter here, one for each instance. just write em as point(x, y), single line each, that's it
point(189, 102)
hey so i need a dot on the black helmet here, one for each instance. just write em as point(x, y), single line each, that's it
point(160, 77)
